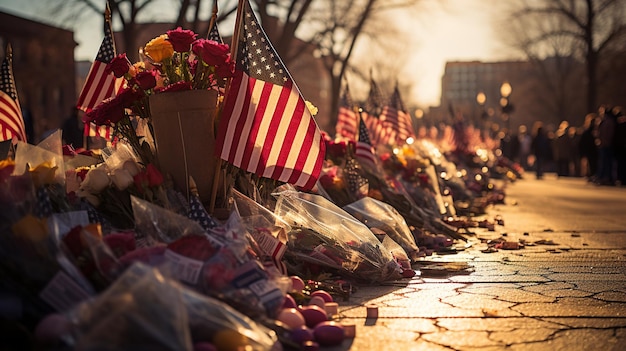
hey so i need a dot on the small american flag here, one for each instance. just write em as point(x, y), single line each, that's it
point(375, 101)
point(104, 131)
point(365, 152)
point(399, 121)
point(357, 184)
point(347, 119)
point(266, 127)
point(395, 114)
point(11, 120)
point(198, 213)
point(99, 85)
point(214, 34)
point(380, 132)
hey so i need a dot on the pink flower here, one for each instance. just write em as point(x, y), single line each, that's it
point(119, 66)
point(181, 39)
point(211, 52)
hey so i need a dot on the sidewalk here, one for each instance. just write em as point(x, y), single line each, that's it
point(565, 290)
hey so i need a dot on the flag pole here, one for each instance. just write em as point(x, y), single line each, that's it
point(213, 18)
point(233, 51)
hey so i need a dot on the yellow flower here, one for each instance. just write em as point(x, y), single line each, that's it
point(43, 174)
point(312, 108)
point(6, 163)
point(159, 48)
point(31, 228)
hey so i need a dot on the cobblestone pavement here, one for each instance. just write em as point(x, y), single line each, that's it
point(565, 290)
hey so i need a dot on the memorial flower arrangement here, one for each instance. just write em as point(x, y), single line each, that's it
point(175, 61)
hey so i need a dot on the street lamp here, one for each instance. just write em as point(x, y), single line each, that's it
point(505, 103)
point(481, 98)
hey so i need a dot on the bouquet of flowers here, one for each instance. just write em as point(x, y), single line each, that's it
point(324, 235)
point(144, 309)
point(175, 61)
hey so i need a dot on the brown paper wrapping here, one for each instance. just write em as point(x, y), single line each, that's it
point(184, 135)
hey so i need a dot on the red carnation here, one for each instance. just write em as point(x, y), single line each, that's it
point(146, 79)
point(119, 66)
point(181, 39)
point(178, 86)
point(226, 69)
point(109, 111)
point(211, 52)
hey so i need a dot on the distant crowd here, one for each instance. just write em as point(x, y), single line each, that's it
point(596, 150)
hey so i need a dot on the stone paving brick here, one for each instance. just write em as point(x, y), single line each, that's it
point(511, 293)
point(584, 307)
point(599, 323)
point(567, 296)
point(576, 340)
point(614, 296)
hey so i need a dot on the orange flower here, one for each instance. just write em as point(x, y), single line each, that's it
point(159, 48)
point(43, 174)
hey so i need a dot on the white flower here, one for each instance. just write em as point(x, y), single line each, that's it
point(95, 181)
point(131, 167)
point(122, 178)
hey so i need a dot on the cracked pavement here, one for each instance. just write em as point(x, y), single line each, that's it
point(565, 290)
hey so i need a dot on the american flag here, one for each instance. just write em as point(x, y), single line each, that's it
point(399, 121)
point(346, 119)
point(214, 33)
point(357, 184)
point(104, 131)
point(99, 85)
point(198, 213)
point(11, 120)
point(380, 132)
point(266, 127)
point(375, 101)
point(365, 152)
point(396, 100)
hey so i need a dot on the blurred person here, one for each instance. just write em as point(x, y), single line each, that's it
point(619, 144)
point(541, 149)
point(562, 150)
point(574, 154)
point(587, 147)
point(604, 141)
point(524, 141)
point(73, 129)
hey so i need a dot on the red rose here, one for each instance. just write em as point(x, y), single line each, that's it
point(119, 66)
point(178, 86)
point(211, 52)
point(146, 79)
point(141, 180)
point(109, 111)
point(127, 97)
point(68, 150)
point(226, 69)
point(155, 178)
point(181, 39)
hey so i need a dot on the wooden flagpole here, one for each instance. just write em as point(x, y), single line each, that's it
point(233, 54)
point(213, 18)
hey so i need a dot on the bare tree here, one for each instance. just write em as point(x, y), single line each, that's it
point(340, 26)
point(587, 30)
